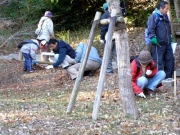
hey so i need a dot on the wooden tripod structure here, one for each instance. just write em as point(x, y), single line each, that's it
point(116, 25)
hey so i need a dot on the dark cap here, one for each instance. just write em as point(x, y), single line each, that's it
point(145, 57)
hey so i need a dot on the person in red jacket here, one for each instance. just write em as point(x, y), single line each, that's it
point(145, 75)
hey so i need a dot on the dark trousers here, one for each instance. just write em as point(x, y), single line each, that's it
point(27, 62)
point(164, 58)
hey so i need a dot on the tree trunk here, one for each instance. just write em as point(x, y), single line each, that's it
point(177, 5)
point(123, 63)
point(170, 18)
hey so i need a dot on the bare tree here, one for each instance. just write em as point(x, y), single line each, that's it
point(177, 5)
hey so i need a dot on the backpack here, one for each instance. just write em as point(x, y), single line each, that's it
point(133, 57)
point(157, 20)
point(25, 42)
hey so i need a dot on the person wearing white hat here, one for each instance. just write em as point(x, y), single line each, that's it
point(45, 28)
point(29, 49)
point(45, 31)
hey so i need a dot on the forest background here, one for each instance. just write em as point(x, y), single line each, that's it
point(19, 18)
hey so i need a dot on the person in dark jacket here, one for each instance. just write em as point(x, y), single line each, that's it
point(104, 30)
point(161, 38)
point(145, 76)
point(64, 53)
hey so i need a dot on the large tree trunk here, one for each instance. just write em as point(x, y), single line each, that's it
point(177, 5)
point(123, 62)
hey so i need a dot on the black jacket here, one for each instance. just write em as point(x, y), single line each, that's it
point(63, 49)
point(162, 31)
point(104, 28)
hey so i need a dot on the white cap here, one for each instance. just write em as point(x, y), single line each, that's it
point(43, 42)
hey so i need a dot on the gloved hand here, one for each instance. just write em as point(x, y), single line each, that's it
point(172, 40)
point(49, 67)
point(148, 72)
point(154, 41)
point(141, 95)
point(101, 41)
point(34, 62)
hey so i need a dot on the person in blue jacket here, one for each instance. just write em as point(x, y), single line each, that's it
point(64, 53)
point(93, 62)
point(161, 38)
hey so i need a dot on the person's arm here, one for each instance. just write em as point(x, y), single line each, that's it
point(151, 26)
point(134, 71)
point(62, 55)
point(153, 69)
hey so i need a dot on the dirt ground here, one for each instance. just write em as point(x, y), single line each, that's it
point(36, 103)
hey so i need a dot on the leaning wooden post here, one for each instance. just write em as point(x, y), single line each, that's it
point(102, 76)
point(81, 71)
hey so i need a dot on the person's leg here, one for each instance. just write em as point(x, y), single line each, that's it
point(110, 67)
point(70, 60)
point(158, 55)
point(91, 65)
point(169, 62)
point(73, 70)
point(67, 61)
point(28, 61)
point(142, 82)
point(155, 80)
point(114, 51)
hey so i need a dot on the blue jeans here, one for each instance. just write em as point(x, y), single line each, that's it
point(151, 83)
point(27, 62)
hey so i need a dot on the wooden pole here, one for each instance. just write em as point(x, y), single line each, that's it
point(107, 49)
point(177, 6)
point(174, 83)
point(81, 71)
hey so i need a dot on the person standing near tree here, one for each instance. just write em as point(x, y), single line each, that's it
point(161, 38)
point(103, 37)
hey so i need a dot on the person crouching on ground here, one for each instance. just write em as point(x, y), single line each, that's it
point(29, 50)
point(93, 61)
point(145, 76)
point(64, 54)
